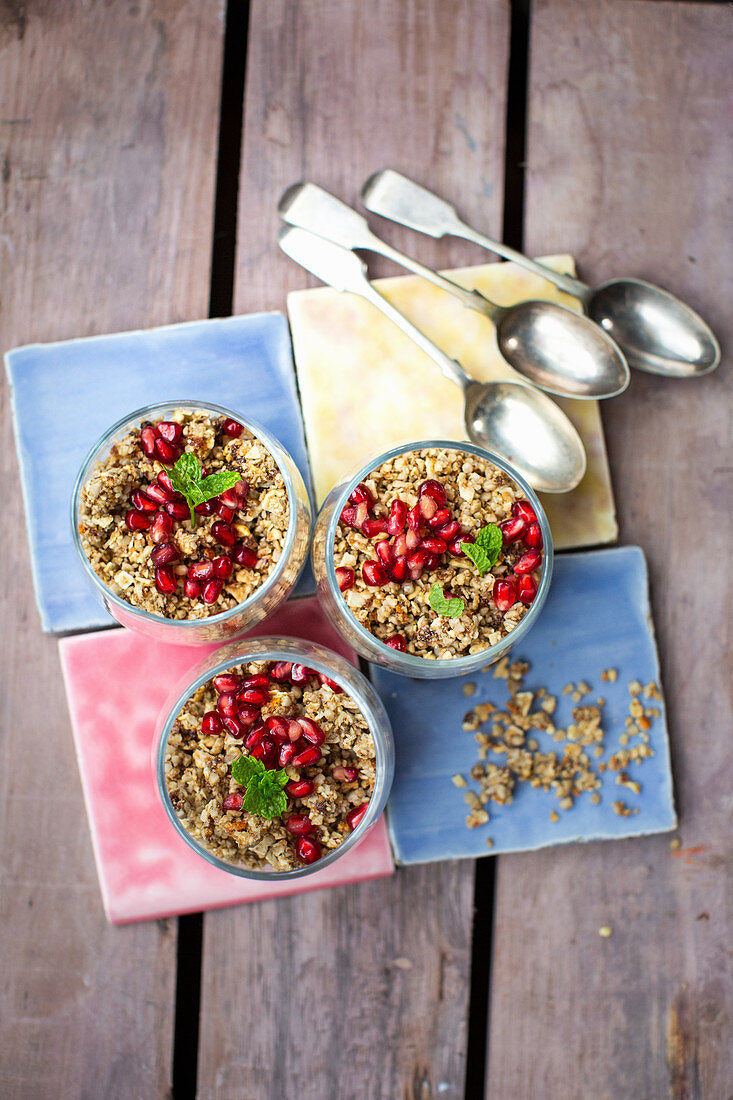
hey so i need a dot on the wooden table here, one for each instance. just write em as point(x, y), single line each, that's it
point(124, 203)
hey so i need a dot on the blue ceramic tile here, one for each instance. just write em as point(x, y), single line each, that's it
point(597, 616)
point(66, 395)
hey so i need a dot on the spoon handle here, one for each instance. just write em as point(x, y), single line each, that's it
point(394, 196)
point(343, 270)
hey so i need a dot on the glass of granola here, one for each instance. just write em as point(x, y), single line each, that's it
point(192, 522)
point(433, 559)
point(274, 758)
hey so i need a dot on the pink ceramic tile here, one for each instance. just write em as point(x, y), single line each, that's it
point(116, 682)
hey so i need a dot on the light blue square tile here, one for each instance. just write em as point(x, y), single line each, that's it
point(597, 616)
point(65, 395)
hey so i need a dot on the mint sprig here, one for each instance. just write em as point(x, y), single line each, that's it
point(264, 794)
point(186, 478)
point(484, 552)
point(452, 608)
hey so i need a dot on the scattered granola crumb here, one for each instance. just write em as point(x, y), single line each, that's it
point(554, 816)
point(651, 691)
point(489, 842)
point(568, 689)
point(605, 931)
point(468, 689)
point(610, 675)
point(595, 798)
point(584, 688)
point(501, 669)
point(621, 809)
point(458, 781)
point(635, 687)
point(674, 843)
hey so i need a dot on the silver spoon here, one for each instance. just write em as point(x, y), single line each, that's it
point(552, 347)
point(656, 331)
point(510, 418)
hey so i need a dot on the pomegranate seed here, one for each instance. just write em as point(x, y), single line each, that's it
point(432, 489)
point(232, 428)
point(256, 696)
point(456, 547)
point(434, 545)
point(285, 753)
point(234, 727)
point(226, 704)
point(417, 560)
point(372, 527)
point(413, 540)
point(449, 531)
point(233, 802)
point(346, 579)
point(266, 751)
point(397, 641)
point(169, 430)
point(441, 517)
point(223, 533)
point(374, 574)
point(255, 735)
point(211, 722)
point(277, 727)
point(241, 489)
point(526, 589)
point(158, 494)
point(165, 580)
point(356, 816)
point(399, 545)
point(227, 682)
point(258, 680)
point(299, 674)
point(300, 788)
point(348, 516)
point(143, 503)
point(164, 554)
point(397, 517)
point(432, 561)
point(384, 552)
point(165, 451)
point(362, 495)
point(513, 529)
point(345, 775)
point(505, 593)
point(192, 589)
point(164, 480)
point(311, 731)
point(528, 562)
point(329, 683)
point(524, 509)
point(212, 591)
point(398, 570)
point(137, 521)
point(246, 557)
point(224, 512)
point(178, 509)
point(533, 538)
point(299, 824)
point(229, 498)
point(413, 518)
point(203, 571)
point(223, 567)
point(428, 507)
point(147, 440)
point(280, 671)
point(308, 850)
point(306, 757)
point(248, 714)
point(361, 514)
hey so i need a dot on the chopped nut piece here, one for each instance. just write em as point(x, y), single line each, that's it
point(548, 704)
point(583, 688)
point(568, 689)
point(635, 687)
point(651, 691)
point(621, 809)
point(459, 781)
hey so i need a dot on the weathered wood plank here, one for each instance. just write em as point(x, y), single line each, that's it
point(108, 124)
point(360, 992)
point(629, 160)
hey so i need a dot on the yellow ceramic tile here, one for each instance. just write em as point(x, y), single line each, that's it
point(366, 387)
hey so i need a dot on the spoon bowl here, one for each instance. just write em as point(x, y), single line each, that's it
point(658, 332)
point(529, 431)
point(558, 350)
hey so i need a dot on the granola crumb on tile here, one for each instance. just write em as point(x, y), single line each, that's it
point(554, 816)
point(621, 809)
point(605, 931)
point(469, 689)
point(609, 675)
point(458, 781)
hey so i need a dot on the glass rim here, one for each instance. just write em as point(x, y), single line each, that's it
point(257, 430)
point(409, 662)
point(276, 648)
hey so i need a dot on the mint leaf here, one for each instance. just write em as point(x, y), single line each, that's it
point(186, 478)
point(452, 609)
point(263, 795)
point(485, 551)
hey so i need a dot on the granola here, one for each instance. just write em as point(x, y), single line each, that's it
point(390, 596)
point(326, 799)
point(146, 551)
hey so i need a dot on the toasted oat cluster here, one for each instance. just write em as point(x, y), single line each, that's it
point(402, 532)
point(290, 718)
point(570, 772)
point(136, 530)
